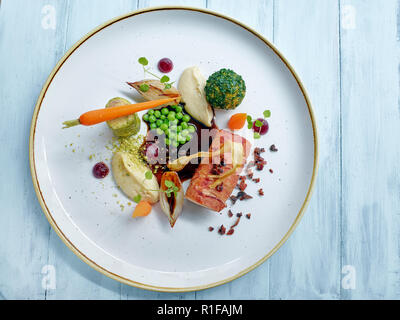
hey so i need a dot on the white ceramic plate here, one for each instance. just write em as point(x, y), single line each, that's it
point(86, 212)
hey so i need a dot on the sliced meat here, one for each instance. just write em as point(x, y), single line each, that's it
point(200, 190)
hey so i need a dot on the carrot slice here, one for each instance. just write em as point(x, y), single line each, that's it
point(143, 208)
point(237, 121)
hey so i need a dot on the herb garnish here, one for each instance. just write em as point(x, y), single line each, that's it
point(137, 198)
point(258, 124)
point(164, 79)
point(171, 187)
point(144, 87)
point(249, 122)
point(148, 175)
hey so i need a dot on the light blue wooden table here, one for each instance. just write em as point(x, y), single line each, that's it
point(348, 243)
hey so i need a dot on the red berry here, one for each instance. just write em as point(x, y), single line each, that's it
point(263, 129)
point(165, 65)
point(100, 170)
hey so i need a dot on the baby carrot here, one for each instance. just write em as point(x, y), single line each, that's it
point(143, 208)
point(96, 116)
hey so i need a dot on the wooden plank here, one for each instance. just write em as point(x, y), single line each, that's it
point(27, 54)
point(83, 16)
point(75, 279)
point(371, 157)
point(308, 265)
point(156, 3)
point(259, 15)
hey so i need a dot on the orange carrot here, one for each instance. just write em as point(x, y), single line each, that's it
point(96, 116)
point(143, 208)
point(237, 121)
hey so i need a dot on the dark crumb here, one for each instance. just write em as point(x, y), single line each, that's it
point(243, 196)
point(210, 229)
point(219, 187)
point(248, 215)
point(242, 178)
point(239, 214)
point(261, 192)
point(231, 231)
point(260, 167)
point(270, 170)
point(258, 151)
point(250, 175)
point(230, 214)
point(237, 221)
point(273, 148)
point(222, 230)
point(242, 186)
point(233, 199)
point(256, 180)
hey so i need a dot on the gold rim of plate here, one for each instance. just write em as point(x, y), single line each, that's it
point(47, 212)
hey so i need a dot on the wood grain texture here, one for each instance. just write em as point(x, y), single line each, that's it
point(25, 64)
point(371, 158)
point(347, 54)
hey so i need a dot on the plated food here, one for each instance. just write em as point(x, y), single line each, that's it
point(94, 217)
point(182, 141)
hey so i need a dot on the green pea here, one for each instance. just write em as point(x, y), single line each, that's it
point(159, 122)
point(172, 136)
point(173, 107)
point(146, 117)
point(186, 118)
point(181, 139)
point(188, 137)
point(151, 112)
point(179, 128)
point(184, 125)
point(179, 109)
point(157, 113)
point(152, 119)
point(160, 132)
point(179, 115)
point(167, 142)
point(166, 121)
point(164, 111)
point(171, 116)
point(163, 117)
point(192, 129)
point(173, 122)
point(185, 132)
point(164, 127)
point(153, 126)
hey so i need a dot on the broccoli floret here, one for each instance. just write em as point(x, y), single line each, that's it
point(225, 89)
